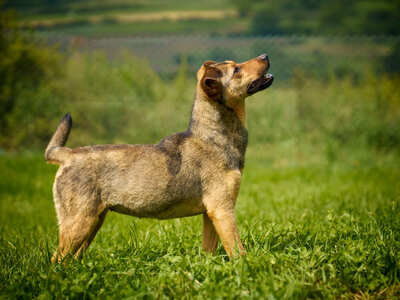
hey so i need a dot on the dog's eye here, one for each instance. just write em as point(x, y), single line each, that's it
point(237, 69)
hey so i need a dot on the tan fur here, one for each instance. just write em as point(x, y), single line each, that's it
point(193, 172)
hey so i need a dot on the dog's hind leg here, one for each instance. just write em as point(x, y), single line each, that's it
point(76, 234)
point(87, 241)
point(210, 236)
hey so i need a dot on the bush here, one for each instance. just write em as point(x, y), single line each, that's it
point(24, 65)
point(391, 63)
point(365, 113)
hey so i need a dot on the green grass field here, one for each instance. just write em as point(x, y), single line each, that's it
point(311, 231)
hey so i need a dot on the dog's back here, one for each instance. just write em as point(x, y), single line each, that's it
point(139, 180)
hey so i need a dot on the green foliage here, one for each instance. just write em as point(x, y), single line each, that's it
point(182, 80)
point(46, 6)
point(366, 112)
point(243, 7)
point(62, 7)
point(391, 63)
point(24, 66)
point(360, 17)
point(324, 17)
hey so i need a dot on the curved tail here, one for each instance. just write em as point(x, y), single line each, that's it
point(55, 152)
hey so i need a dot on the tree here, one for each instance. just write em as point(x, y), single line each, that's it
point(322, 17)
point(391, 63)
point(24, 64)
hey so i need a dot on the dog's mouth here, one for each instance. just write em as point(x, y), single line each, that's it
point(260, 84)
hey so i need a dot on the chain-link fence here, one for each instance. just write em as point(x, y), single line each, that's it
point(317, 55)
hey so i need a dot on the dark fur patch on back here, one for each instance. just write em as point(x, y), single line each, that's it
point(171, 147)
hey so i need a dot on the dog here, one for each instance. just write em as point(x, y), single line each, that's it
point(188, 173)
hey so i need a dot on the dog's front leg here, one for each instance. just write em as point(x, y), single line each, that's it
point(225, 225)
point(220, 204)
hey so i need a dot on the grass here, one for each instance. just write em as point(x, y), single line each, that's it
point(311, 231)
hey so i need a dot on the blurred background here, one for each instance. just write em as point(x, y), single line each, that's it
point(125, 69)
point(318, 209)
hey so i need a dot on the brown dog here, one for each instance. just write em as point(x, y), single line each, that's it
point(193, 172)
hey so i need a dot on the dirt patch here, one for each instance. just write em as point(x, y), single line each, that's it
point(137, 17)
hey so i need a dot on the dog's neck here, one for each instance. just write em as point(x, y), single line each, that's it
point(222, 126)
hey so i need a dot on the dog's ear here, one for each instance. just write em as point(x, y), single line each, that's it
point(210, 83)
point(209, 63)
point(203, 68)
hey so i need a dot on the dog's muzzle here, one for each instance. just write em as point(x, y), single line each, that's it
point(260, 84)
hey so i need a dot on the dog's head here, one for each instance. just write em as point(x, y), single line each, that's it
point(228, 81)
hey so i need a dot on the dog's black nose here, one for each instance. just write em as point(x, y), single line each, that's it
point(263, 56)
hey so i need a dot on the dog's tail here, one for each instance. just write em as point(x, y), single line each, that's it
point(55, 152)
